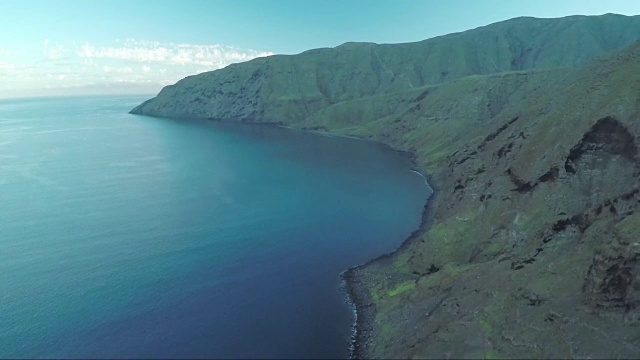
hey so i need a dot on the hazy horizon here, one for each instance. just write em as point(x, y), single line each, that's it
point(118, 47)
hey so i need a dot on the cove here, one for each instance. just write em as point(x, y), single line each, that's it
point(131, 236)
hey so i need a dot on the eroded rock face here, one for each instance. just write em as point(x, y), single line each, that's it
point(608, 136)
point(613, 281)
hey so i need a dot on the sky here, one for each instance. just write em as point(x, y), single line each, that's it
point(71, 47)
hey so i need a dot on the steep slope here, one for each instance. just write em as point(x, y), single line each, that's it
point(533, 249)
point(530, 246)
point(289, 88)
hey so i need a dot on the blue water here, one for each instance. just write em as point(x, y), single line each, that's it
point(132, 236)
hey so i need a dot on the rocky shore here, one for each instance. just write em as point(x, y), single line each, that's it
point(357, 290)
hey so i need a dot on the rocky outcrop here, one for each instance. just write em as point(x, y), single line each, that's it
point(614, 281)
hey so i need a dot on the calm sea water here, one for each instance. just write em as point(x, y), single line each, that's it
point(132, 236)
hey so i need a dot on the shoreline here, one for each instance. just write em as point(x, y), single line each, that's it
point(356, 294)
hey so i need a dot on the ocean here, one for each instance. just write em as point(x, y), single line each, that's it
point(130, 236)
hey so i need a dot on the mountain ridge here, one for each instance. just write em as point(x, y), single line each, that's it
point(296, 86)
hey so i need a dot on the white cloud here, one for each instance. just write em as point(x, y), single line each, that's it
point(54, 53)
point(4, 54)
point(6, 66)
point(213, 56)
point(128, 63)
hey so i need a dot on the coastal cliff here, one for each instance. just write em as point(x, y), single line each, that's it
point(528, 131)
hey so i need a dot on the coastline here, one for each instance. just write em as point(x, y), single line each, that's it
point(356, 293)
point(518, 268)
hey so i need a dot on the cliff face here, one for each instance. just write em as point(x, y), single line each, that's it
point(532, 247)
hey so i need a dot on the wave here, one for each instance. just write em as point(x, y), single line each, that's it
point(421, 175)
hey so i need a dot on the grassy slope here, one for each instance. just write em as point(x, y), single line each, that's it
point(525, 257)
point(289, 88)
point(506, 270)
point(533, 249)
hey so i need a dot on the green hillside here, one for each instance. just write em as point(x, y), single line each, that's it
point(289, 88)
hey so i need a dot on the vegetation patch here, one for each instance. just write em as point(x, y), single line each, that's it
point(401, 288)
point(629, 228)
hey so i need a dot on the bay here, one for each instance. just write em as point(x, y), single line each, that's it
point(131, 236)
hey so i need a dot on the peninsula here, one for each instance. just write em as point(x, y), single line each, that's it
point(527, 130)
